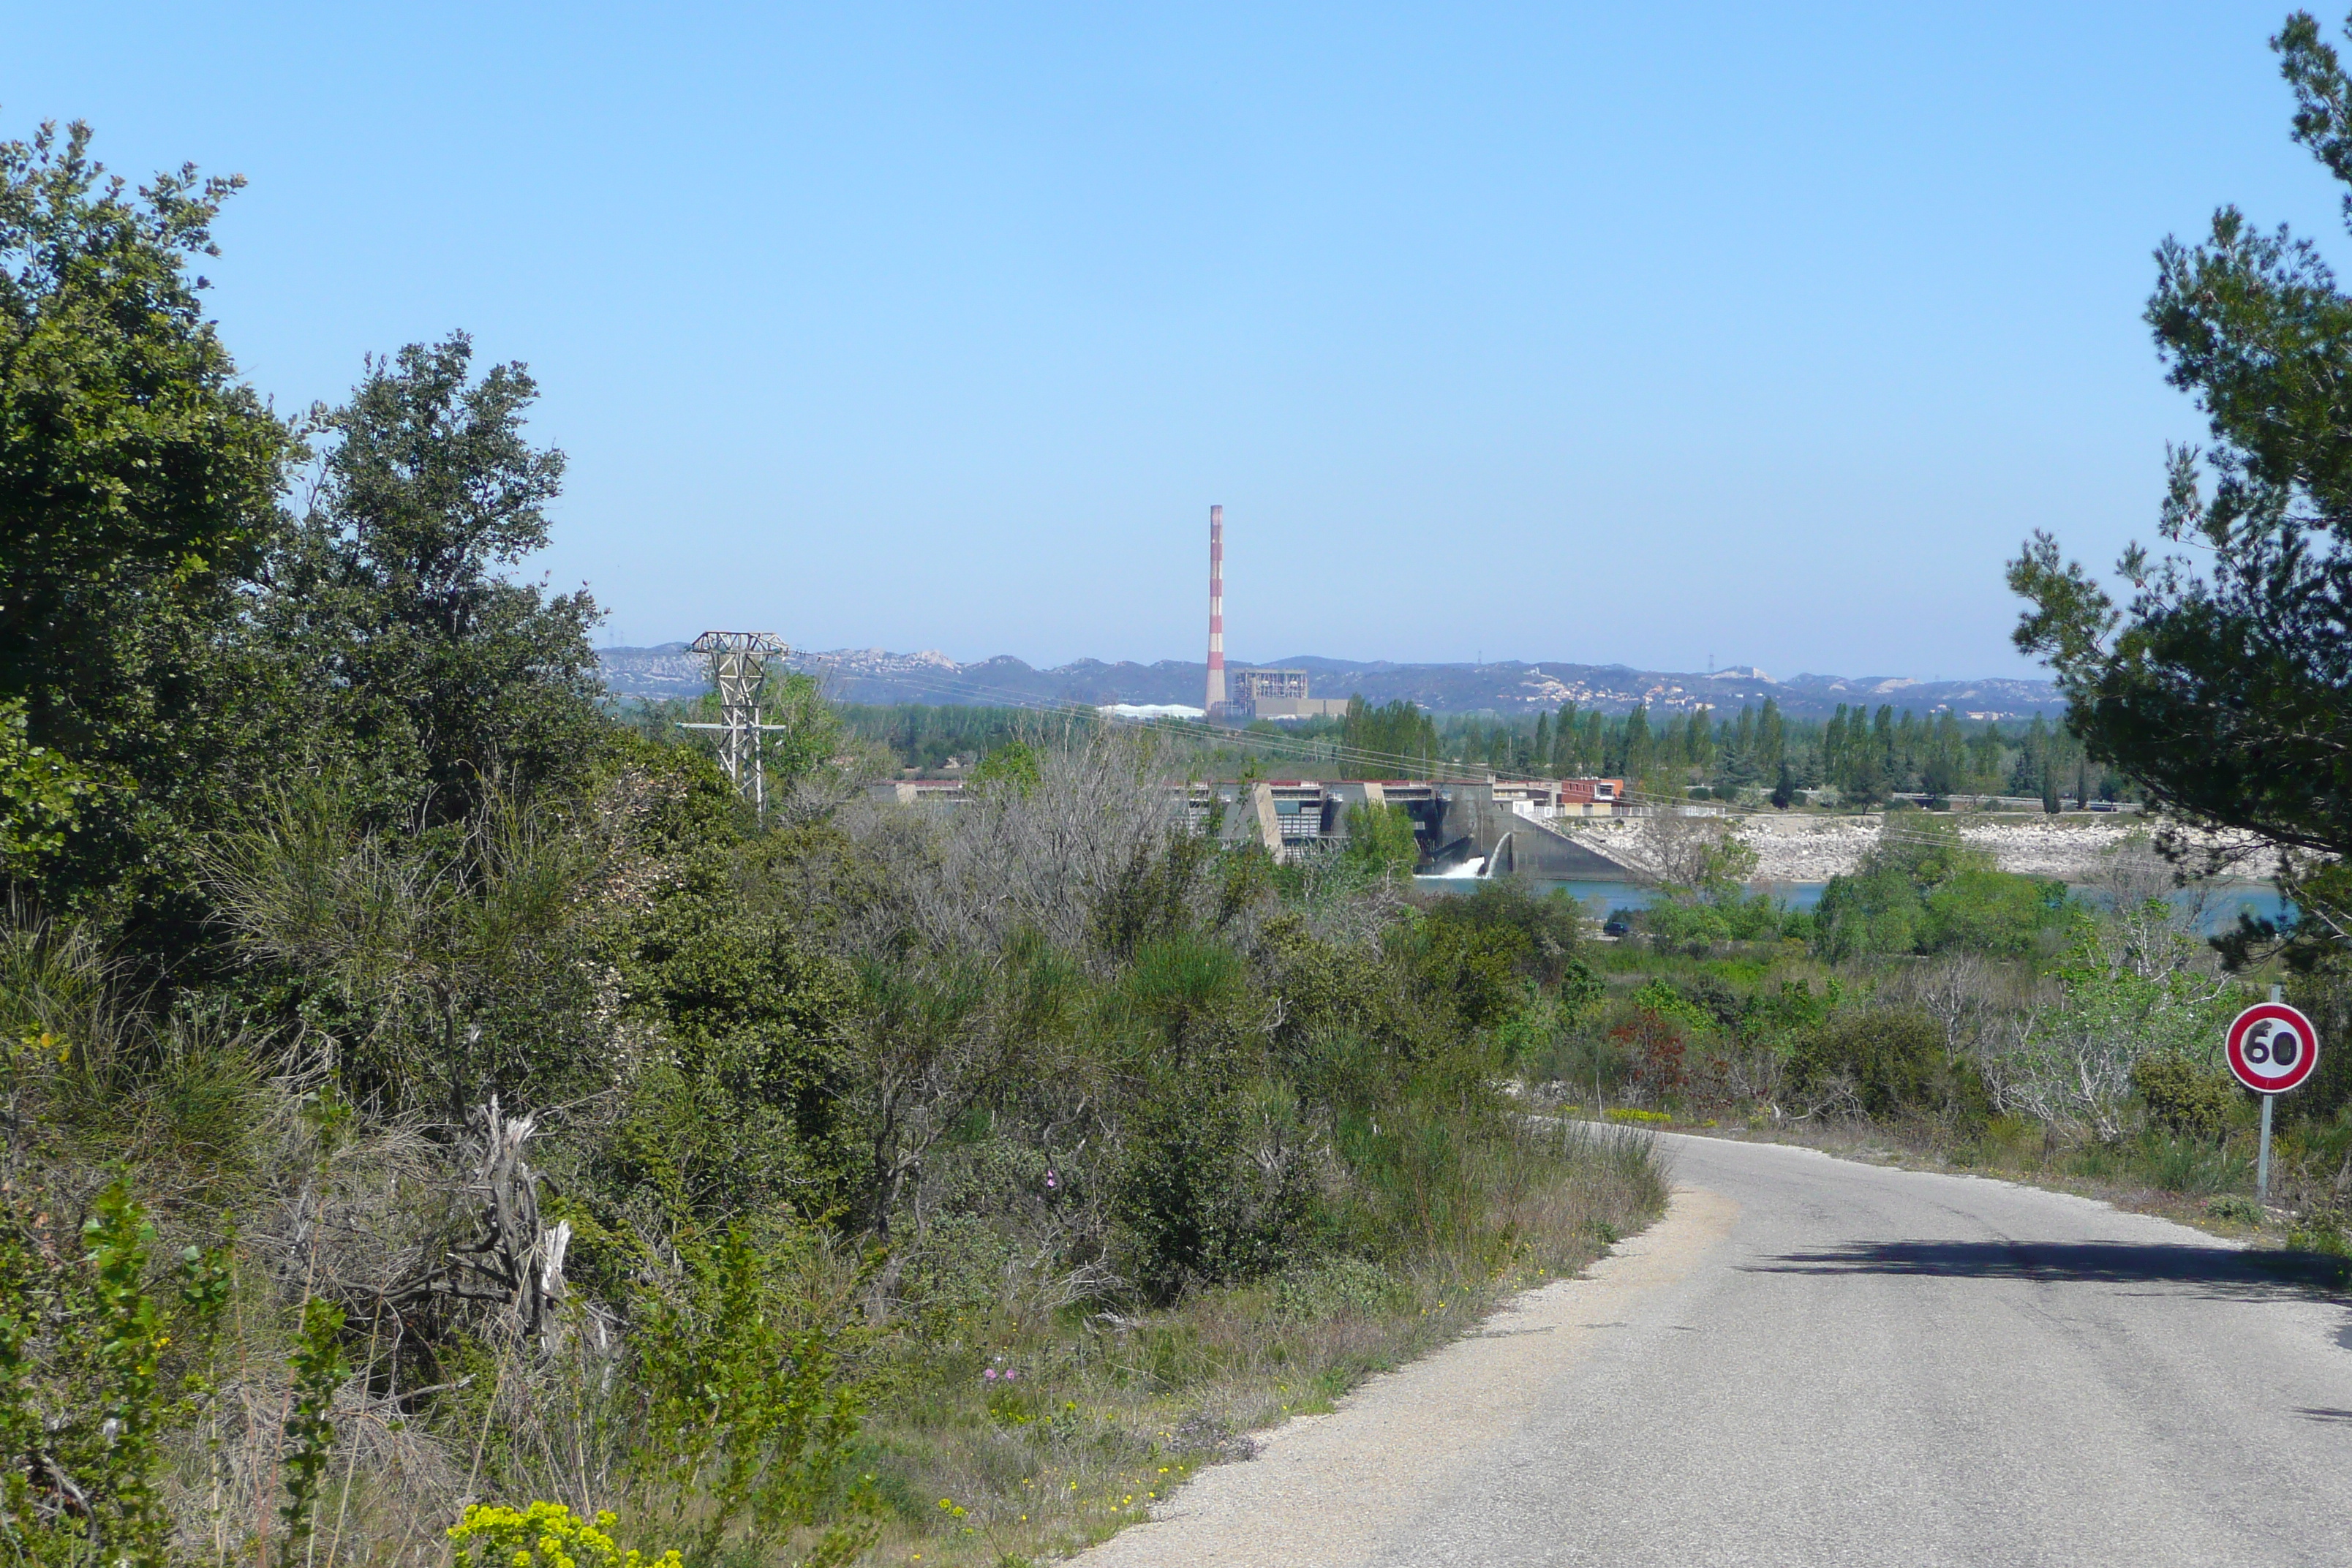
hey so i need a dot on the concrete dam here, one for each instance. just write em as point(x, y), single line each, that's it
point(1515, 829)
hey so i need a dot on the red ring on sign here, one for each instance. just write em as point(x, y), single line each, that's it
point(2243, 1048)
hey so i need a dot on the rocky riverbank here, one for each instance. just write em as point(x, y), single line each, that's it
point(1798, 847)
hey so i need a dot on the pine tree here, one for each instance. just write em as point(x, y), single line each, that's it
point(2223, 683)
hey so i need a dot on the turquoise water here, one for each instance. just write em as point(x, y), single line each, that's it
point(2221, 915)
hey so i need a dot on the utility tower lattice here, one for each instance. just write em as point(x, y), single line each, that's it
point(738, 668)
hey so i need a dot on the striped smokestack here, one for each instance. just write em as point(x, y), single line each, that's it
point(1216, 699)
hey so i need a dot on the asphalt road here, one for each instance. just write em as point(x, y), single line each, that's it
point(1813, 1362)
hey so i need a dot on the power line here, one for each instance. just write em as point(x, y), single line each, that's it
point(1303, 749)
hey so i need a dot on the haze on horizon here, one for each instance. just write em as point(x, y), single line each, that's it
point(1545, 334)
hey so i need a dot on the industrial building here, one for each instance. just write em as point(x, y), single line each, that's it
point(1278, 695)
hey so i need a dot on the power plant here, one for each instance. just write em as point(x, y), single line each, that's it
point(1276, 694)
point(1486, 825)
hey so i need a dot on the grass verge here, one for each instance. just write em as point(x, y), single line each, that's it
point(1018, 1441)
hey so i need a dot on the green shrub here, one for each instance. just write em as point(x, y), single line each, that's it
point(318, 1369)
point(1471, 968)
point(2321, 1230)
point(1380, 841)
point(1312, 1292)
point(1666, 1002)
point(2238, 1210)
point(747, 1427)
point(1215, 1188)
point(1544, 928)
point(2184, 1098)
point(2325, 994)
point(1687, 919)
point(1990, 911)
point(1927, 891)
point(2188, 1164)
point(1894, 1061)
point(86, 1391)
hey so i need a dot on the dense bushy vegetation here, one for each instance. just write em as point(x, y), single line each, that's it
point(1973, 1015)
point(429, 1101)
point(1921, 890)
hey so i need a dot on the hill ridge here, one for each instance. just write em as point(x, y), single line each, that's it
point(1512, 687)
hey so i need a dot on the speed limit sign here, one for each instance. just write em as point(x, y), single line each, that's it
point(2272, 1047)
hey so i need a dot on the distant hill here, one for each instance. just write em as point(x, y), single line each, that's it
point(873, 675)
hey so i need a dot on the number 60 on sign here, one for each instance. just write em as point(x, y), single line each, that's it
point(2272, 1047)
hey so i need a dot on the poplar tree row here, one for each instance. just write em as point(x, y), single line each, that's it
point(1864, 755)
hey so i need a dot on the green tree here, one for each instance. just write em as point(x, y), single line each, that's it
point(40, 794)
point(1922, 890)
point(755, 1021)
point(1771, 736)
point(138, 488)
point(408, 656)
point(1945, 768)
point(1703, 744)
point(2225, 688)
point(1564, 742)
point(1013, 764)
point(1391, 739)
point(1633, 756)
point(1380, 841)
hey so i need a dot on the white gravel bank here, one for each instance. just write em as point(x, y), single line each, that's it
point(1800, 847)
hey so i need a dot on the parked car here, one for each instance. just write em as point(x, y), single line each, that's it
point(1617, 925)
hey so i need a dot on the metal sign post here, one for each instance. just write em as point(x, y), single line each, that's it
point(2262, 1160)
point(2262, 1157)
point(2272, 1049)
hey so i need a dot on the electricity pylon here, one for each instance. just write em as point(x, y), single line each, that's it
point(738, 668)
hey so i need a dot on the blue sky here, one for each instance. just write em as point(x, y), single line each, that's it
point(1756, 334)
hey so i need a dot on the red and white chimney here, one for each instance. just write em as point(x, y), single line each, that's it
point(1216, 698)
